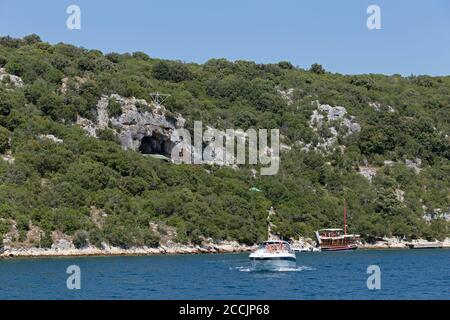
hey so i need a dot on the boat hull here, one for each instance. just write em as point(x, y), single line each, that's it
point(340, 248)
point(273, 264)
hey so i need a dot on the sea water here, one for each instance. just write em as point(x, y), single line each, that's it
point(404, 274)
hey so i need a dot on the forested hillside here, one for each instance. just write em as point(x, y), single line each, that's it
point(386, 151)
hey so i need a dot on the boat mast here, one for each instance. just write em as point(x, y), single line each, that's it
point(345, 218)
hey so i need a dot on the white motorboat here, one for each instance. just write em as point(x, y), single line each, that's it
point(273, 255)
point(301, 249)
point(310, 249)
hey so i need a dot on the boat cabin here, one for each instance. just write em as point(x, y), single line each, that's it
point(330, 233)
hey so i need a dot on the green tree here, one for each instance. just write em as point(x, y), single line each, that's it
point(317, 69)
point(4, 139)
point(171, 71)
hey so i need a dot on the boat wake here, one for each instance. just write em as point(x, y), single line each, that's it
point(251, 269)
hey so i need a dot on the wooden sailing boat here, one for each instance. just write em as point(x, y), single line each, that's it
point(337, 239)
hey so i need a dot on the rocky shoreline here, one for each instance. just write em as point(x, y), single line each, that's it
point(395, 243)
point(226, 247)
point(177, 249)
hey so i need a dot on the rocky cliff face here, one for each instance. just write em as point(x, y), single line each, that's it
point(139, 125)
point(150, 129)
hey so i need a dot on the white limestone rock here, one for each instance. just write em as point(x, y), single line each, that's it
point(368, 172)
point(414, 164)
point(325, 113)
point(287, 95)
point(16, 81)
point(51, 138)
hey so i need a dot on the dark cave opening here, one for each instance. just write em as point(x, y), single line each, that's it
point(155, 144)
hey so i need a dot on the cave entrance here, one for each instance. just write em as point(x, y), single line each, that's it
point(154, 144)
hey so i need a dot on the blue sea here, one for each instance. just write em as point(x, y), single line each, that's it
point(404, 274)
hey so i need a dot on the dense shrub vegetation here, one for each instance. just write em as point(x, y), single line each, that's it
point(57, 186)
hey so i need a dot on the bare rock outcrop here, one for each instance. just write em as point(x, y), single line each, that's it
point(50, 137)
point(378, 107)
point(338, 122)
point(414, 164)
point(438, 213)
point(15, 81)
point(139, 126)
point(337, 113)
point(148, 130)
point(368, 172)
point(287, 95)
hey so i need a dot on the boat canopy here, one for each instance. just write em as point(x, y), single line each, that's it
point(342, 236)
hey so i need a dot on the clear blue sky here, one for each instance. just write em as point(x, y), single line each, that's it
point(415, 35)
